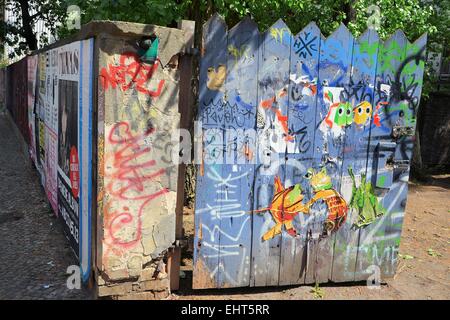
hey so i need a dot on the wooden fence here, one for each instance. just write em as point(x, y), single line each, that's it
point(304, 168)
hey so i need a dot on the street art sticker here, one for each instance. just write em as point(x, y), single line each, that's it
point(326, 137)
point(60, 122)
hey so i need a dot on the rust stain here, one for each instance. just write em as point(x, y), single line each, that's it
point(202, 165)
point(248, 152)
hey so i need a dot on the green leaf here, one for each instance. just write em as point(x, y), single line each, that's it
point(433, 253)
point(317, 292)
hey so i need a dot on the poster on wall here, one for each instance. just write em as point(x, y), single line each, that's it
point(68, 204)
point(63, 139)
point(32, 62)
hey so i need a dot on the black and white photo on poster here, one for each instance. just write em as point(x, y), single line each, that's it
point(67, 143)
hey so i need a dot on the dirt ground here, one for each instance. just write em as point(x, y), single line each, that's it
point(423, 271)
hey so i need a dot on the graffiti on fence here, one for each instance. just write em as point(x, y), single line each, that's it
point(343, 107)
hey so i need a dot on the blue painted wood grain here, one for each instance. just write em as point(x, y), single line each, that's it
point(359, 92)
point(334, 72)
point(241, 92)
point(409, 79)
point(208, 188)
point(374, 246)
point(304, 72)
point(273, 79)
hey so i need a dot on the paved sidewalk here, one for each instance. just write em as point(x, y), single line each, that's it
point(34, 253)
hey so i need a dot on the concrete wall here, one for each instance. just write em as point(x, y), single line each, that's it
point(137, 179)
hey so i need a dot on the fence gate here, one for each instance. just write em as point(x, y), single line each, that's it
point(307, 143)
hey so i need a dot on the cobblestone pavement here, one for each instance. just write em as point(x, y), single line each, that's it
point(34, 253)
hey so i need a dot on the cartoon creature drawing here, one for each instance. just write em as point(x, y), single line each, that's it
point(343, 114)
point(340, 113)
point(364, 201)
point(216, 78)
point(362, 113)
point(286, 204)
point(323, 190)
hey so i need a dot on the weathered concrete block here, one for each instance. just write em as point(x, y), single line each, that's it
point(118, 274)
point(138, 296)
point(155, 285)
point(148, 274)
point(115, 290)
point(161, 295)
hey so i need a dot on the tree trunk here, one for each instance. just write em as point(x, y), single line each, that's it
point(350, 13)
point(27, 25)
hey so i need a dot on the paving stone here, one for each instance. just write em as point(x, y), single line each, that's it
point(30, 237)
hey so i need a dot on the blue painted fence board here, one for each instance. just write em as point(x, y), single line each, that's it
point(359, 92)
point(305, 49)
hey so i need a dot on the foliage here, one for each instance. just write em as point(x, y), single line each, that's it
point(17, 35)
point(405, 256)
point(317, 292)
point(3, 63)
point(433, 253)
point(159, 12)
point(413, 16)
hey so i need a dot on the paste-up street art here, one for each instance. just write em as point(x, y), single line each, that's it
point(286, 204)
point(362, 113)
point(323, 190)
point(345, 108)
point(364, 201)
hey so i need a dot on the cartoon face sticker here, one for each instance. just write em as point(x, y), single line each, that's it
point(319, 180)
point(362, 113)
point(344, 114)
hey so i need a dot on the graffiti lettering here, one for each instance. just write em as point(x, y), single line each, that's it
point(131, 73)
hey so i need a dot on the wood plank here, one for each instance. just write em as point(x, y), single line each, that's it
point(360, 94)
point(373, 246)
point(272, 131)
point(408, 77)
point(334, 75)
point(238, 171)
point(211, 114)
point(304, 72)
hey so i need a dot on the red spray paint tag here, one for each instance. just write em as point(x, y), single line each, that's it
point(74, 171)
